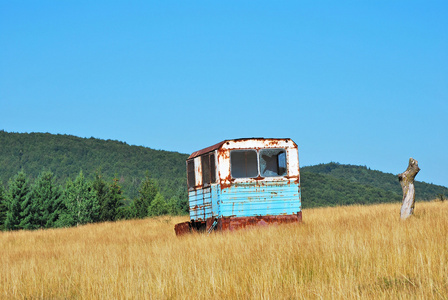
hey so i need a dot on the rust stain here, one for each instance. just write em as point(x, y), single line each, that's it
point(269, 142)
point(295, 178)
point(273, 143)
point(206, 150)
point(234, 223)
point(182, 228)
point(224, 154)
point(226, 182)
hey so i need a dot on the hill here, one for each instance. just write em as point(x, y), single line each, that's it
point(337, 184)
point(65, 155)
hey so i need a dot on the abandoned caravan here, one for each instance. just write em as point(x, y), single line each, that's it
point(243, 182)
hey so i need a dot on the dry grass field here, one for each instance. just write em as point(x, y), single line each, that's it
point(336, 253)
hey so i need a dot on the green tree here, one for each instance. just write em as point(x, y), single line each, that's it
point(113, 201)
point(47, 202)
point(178, 205)
point(3, 208)
point(28, 213)
point(126, 212)
point(18, 194)
point(174, 207)
point(158, 206)
point(147, 192)
point(102, 194)
point(182, 204)
point(81, 202)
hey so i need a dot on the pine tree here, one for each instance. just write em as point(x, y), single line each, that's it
point(28, 213)
point(174, 207)
point(126, 212)
point(81, 203)
point(112, 202)
point(47, 200)
point(115, 199)
point(3, 208)
point(158, 206)
point(17, 198)
point(102, 193)
point(147, 193)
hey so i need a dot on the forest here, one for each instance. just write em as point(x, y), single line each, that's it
point(49, 180)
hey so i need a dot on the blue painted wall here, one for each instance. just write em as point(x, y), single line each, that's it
point(245, 200)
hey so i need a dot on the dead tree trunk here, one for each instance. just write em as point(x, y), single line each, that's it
point(407, 184)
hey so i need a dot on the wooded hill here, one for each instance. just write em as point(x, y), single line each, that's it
point(65, 155)
point(336, 184)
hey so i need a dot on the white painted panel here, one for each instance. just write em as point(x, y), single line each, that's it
point(198, 170)
point(293, 162)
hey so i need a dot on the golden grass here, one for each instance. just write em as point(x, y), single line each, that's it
point(343, 252)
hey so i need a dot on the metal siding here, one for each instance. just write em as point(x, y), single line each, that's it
point(260, 199)
point(215, 200)
point(201, 203)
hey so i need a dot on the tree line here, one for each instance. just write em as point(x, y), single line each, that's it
point(43, 203)
point(338, 184)
point(128, 166)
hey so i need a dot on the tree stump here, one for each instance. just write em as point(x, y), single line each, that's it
point(407, 184)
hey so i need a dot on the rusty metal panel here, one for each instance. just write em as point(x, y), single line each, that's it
point(206, 150)
point(234, 223)
point(182, 228)
point(258, 143)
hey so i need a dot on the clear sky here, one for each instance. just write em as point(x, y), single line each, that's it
point(355, 82)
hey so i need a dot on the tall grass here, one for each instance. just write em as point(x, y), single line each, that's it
point(342, 252)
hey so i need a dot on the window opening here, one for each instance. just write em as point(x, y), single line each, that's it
point(272, 162)
point(243, 163)
point(212, 168)
point(190, 174)
point(208, 168)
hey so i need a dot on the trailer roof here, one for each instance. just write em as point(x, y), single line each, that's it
point(218, 145)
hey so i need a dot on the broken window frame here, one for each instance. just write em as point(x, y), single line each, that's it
point(278, 163)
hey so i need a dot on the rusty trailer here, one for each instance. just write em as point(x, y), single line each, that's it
point(243, 182)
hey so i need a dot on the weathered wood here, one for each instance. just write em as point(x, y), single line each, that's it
point(407, 184)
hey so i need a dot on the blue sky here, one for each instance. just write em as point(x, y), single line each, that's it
point(355, 82)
